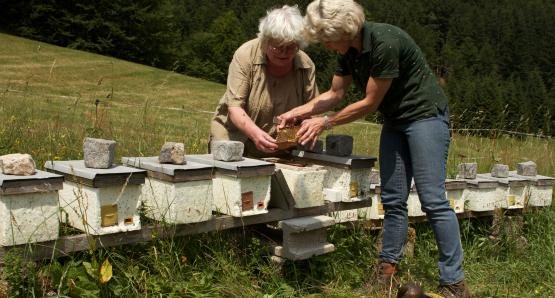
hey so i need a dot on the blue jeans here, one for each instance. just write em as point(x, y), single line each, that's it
point(419, 149)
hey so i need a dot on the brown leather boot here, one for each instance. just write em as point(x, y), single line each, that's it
point(385, 278)
point(458, 290)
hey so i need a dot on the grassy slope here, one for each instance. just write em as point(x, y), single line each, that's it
point(230, 263)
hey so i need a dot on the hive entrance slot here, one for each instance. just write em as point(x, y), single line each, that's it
point(109, 215)
point(354, 188)
point(247, 198)
point(128, 220)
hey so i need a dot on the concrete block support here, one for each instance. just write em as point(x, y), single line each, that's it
point(304, 237)
point(339, 145)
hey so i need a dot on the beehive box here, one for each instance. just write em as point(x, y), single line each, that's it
point(240, 188)
point(511, 191)
point(348, 174)
point(29, 208)
point(100, 201)
point(413, 203)
point(305, 181)
point(455, 193)
point(175, 193)
point(539, 191)
point(376, 211)
point(480, 194)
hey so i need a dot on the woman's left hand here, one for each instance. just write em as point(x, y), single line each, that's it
point(310, 130)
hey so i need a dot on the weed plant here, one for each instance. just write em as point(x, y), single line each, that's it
point(229, 263)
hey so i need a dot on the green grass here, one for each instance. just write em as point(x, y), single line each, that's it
point(231, 263)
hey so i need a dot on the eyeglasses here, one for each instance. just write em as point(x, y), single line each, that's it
point(288, 50)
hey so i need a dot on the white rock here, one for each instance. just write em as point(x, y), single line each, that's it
point(17, 164)
point(172, 152)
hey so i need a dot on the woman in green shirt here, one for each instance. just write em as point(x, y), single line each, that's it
point(385, 63)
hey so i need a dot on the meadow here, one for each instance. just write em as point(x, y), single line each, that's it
point(48, 105)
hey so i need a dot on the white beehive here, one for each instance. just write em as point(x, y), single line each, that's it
point(376, 211)
point(348, 174)
point(305, 182)
point(175, 193)
point(511, 191)
point(480, 194)
point(539, 192)
point(413, 203)
point(455, 193)
point(29, 208)
point(240, 188)
point(100, 201)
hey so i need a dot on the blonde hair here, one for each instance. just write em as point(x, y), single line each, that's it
point(332, 20)
point(282, 25)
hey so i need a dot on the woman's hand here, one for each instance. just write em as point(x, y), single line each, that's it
point(311, 129)
point(263, 141)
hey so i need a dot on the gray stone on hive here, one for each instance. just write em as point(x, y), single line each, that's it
point(500, 171)
point(468, 170)
point(375, 177)
point(17, 164)
point(526, 168)
point(228, 150)
point(339, 145)
point(318, 148)
point(98, 153)
point(172, 152)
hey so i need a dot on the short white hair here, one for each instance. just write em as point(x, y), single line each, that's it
point(332, 20)
point(282, 25)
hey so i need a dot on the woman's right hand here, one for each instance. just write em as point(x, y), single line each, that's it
point(263, 141)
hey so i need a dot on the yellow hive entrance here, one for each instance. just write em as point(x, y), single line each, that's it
point(109, 214)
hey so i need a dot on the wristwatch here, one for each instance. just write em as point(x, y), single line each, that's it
point(328, 126)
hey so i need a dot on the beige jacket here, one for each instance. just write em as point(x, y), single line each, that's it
point(251, 87)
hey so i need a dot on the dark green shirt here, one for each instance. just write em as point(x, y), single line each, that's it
point(390, 53)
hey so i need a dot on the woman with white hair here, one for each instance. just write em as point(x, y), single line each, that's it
point(385, 63)
point(268, 76)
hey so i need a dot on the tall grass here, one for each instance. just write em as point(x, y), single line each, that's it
point(231, 263)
